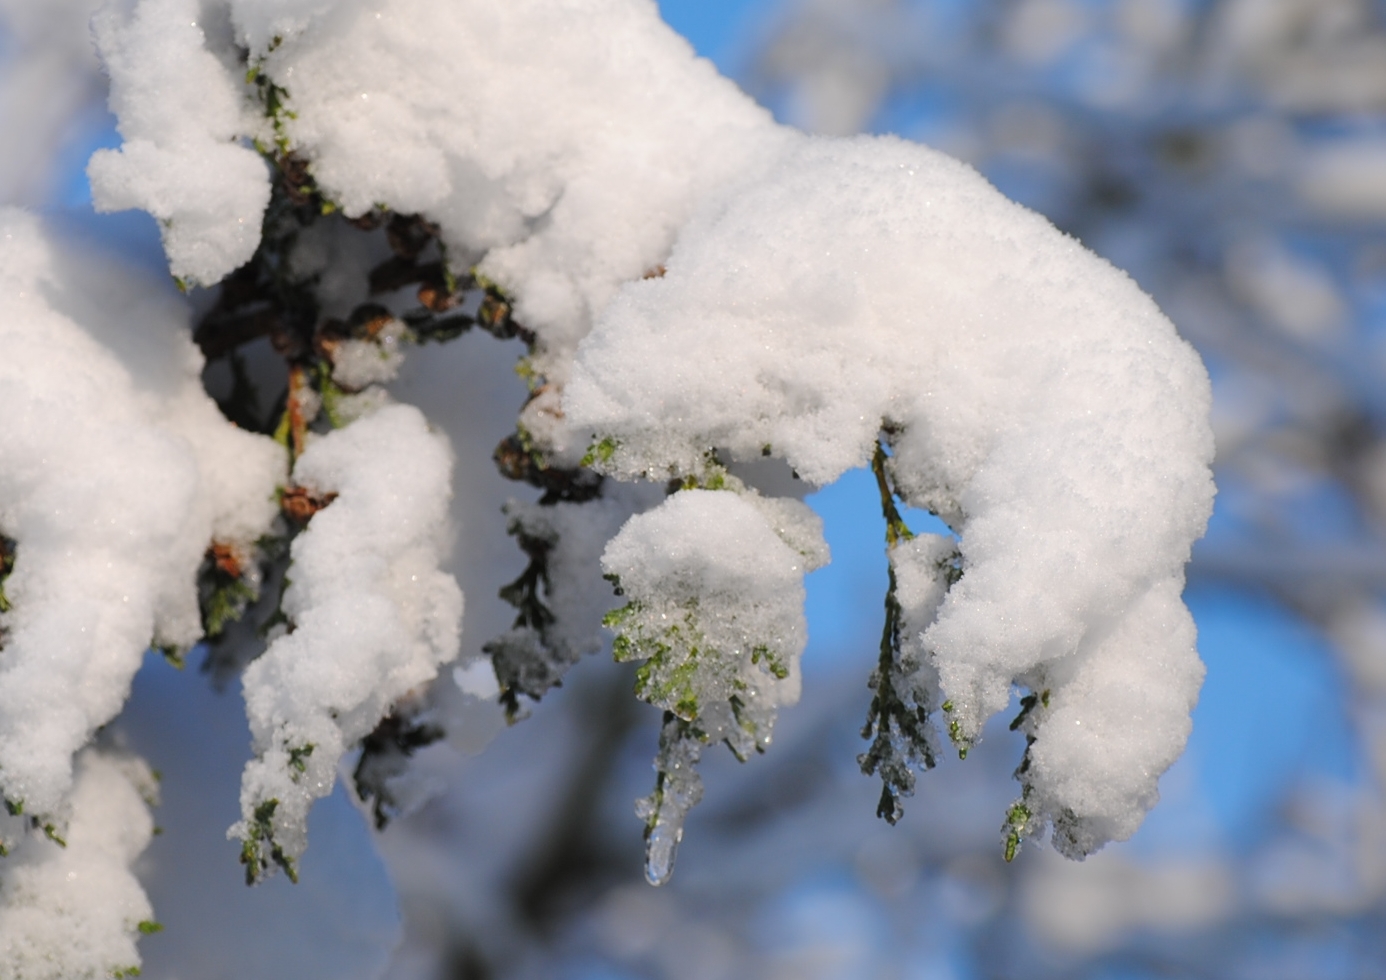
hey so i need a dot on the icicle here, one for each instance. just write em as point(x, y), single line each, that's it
point(678, 788)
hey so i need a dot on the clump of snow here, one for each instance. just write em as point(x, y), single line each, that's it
point(372, 617)
point(1118, 717)
point(260, 22)
point(74, 910)
point(707, 575)
point(357, 363)
point(116, 474)
point(714, 583)
point(1039, 402)
point(182, 113)
point(923, 566)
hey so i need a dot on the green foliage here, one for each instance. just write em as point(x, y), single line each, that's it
point(274, 100)
point(773, 661)
point(524, 370)
point(284, 429)
point(896, 528)
point(259, 839)
point(600, 452)
point(1020, 822)
point(532, 657)
point(298, 756)
point(385, 753)
point(748, 726)
point(515, 670)
point(8, 547)
point(674, 652)
point(714, 476)
point(1016, 827)
point(331, 393)
point(960, 741)
point(148, 927)
point(897, 723)
point(897, 726)
point(1027, 705)
point(224, 599)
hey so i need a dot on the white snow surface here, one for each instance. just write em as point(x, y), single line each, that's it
point(116, 473)
point(373, 616)
point(73, 912)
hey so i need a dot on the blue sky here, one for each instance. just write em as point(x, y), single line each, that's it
point(717, 28)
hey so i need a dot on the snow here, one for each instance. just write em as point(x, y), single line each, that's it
point(921, 566)
point(72, 911)
point(357, 364)
point(712, 565)
point(509, 173)
point(372, 617)
point(116, 474)
point(181, 111)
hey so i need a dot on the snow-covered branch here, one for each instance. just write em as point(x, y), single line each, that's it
point(697, 287)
